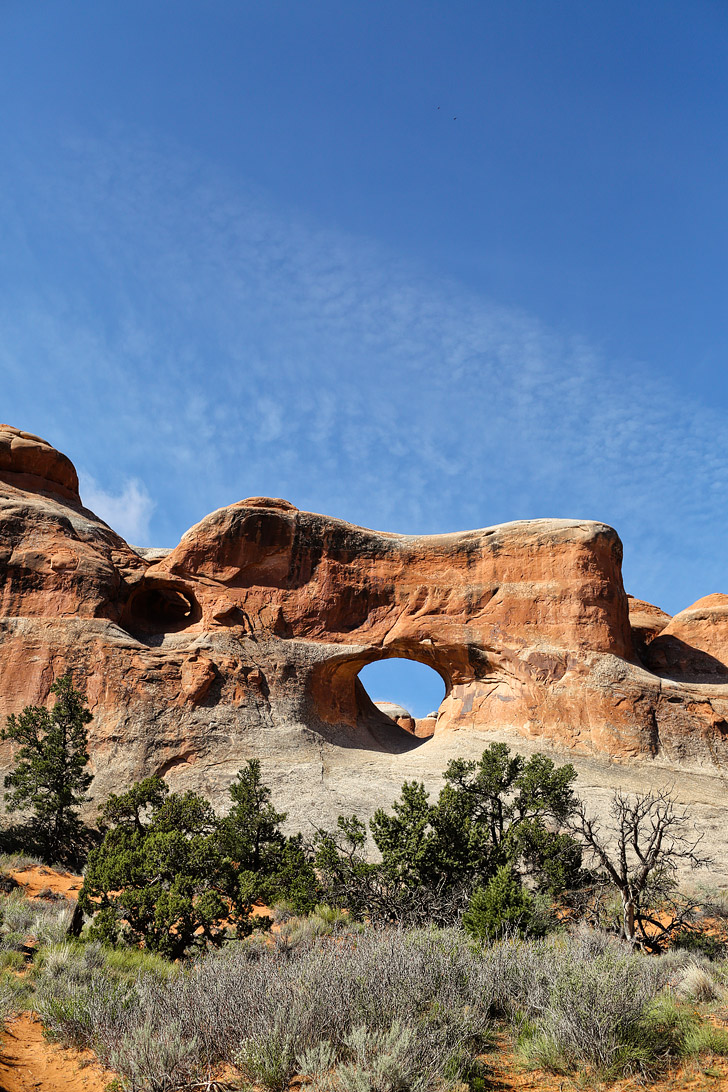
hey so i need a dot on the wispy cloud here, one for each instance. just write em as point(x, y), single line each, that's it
point(128, 512)
point(160, 319)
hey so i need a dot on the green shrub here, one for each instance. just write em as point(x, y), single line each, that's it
point(11, 960)
point(172, 875)
point(157, 874)
point(500, 811)
point(130, 963)
point(503, 906)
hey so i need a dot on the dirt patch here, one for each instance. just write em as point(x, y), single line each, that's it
point(30, 1064)
point(39, 879)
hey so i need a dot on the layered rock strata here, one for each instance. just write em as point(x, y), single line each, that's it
point(247, 639)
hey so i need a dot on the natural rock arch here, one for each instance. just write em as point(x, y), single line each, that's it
point(247, 638)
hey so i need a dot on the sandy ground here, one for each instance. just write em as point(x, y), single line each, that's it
point(38, 880)
point(30, 1064)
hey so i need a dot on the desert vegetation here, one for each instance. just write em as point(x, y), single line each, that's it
point(391, 957)
point(325, 1003)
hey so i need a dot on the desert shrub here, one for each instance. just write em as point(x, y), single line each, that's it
point(675, 960)
point(86, 994)
point(7, 883)
point(13, 941)
point(55, 960)
point(355, 1011)
point(11, 960)
point(269, 1057)
point(83, 1011)
point(154, 1059)
point(315, 1064)
point(432, 983)
point(695, 940)
point(331, 915)
point(591, 1013)
point(19, 914)
point(262, 1009)
point(504, 906)
point(599, 1005)
point(373, 1061)
point(713, 901)
point(14, 994)
point(26, 921)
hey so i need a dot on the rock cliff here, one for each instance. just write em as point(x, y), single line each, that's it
point(247, 639)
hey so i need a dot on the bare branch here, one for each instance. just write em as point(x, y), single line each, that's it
point(649, 838)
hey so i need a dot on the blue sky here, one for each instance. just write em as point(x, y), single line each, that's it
point(425, 266)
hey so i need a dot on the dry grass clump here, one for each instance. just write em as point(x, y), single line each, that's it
point(24, 925)
point(698, 983)
point(16, 862)
point(323, 921)
point(43, 921)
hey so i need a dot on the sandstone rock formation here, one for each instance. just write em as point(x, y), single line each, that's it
point(693, 646)
point(397, 713)
point(247, 639)
point(645, 621)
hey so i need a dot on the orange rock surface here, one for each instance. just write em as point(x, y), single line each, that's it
point(694, 645)
point(248, 637)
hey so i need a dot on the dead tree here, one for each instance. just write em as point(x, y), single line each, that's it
point(648, 840)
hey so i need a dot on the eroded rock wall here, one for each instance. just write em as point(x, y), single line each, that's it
point(247, 639)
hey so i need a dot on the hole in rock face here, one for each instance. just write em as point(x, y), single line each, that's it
point(161, 609)
point(404, 690)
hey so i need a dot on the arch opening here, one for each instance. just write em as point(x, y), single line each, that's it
point(160, 608)
point(406, 691)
